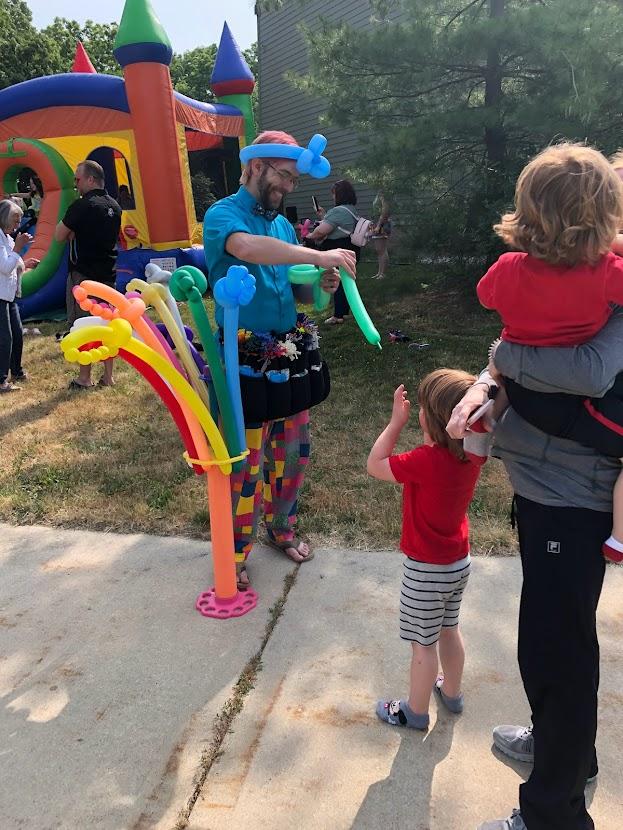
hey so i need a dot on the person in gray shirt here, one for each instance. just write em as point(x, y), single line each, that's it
point(563, 507)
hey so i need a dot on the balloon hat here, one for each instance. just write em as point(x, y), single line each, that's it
point(308, 160)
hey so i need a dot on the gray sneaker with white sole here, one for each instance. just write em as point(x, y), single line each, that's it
point(518, 743)
point(513, 822)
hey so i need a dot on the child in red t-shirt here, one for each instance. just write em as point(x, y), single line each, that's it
point(438, 485)
point(558, 287)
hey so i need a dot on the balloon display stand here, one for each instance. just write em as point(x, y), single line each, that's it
point(120, 327)
point(209, 605)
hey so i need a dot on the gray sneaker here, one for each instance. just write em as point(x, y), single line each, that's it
point(515, 741)
point(518, 742)
point(513, 822)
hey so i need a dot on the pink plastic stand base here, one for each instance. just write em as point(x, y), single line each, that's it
point(209, 605)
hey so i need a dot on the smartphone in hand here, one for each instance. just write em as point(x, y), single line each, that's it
point(478, 413)
point(315, 204)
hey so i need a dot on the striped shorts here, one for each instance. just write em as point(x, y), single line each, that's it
point(430, 598)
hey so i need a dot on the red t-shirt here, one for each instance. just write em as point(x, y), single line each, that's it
point(436, 494)
point(551, 305)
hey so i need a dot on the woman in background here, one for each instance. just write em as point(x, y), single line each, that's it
point(380, 235)
point(334, 232)
point(11, 267)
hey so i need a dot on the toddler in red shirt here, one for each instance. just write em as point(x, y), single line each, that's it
point(558, 287)
point(438, 485)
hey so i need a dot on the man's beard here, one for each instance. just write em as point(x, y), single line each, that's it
point(270, 196)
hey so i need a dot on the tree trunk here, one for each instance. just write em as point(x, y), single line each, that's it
point(495, 138)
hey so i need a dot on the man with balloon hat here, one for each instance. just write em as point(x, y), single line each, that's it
point(281, 372)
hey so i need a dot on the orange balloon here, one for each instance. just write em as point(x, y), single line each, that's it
point(222, 533)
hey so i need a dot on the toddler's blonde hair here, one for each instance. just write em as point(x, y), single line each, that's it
point(568, 206)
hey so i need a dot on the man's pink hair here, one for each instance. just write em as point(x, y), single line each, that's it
point(268, 137)
point(275, 137)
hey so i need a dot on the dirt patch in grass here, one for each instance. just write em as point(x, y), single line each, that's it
point(111, 459)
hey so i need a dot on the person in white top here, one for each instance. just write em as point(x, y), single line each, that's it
point(11, 268)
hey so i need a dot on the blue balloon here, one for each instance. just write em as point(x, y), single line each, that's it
point(308, 160)
point(312, 161)
point(236, 288)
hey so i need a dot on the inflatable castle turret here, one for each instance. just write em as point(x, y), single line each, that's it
point(142, 132)
point(232, 81)
point(82, 62)
point(143, 50)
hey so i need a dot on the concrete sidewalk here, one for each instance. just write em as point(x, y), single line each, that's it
point(308, 751)
point(110, 681)
point(109, 678)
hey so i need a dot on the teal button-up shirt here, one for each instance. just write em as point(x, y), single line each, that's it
point(272, 308)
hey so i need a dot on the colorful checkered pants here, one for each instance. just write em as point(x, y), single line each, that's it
point(274, 473)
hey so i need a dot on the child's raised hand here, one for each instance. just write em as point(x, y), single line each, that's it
point(402, 407)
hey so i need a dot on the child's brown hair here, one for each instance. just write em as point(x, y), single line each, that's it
point(438, 394)
point(568, 206)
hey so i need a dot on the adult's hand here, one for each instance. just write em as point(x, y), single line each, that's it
point(338, 258)
point(21, 240)
point(31, 262)
point(329, 280)
point(471, 400)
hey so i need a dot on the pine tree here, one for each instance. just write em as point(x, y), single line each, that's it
point(454, 97)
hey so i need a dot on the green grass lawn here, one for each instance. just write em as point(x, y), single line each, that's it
point(111, 458)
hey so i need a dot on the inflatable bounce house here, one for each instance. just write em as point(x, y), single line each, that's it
point(147, 137)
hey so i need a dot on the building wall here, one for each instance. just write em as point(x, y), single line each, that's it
point(281, 49)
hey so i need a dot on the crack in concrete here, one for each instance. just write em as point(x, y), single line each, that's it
point(225, 719)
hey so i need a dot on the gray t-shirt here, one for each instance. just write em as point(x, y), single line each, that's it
point(343, 220)
point(549, 470)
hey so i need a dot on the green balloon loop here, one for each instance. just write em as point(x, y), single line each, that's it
point(310, 275)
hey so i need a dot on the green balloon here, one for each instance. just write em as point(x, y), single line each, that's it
point(187, 285)
point(310, 275)
point(359, 310)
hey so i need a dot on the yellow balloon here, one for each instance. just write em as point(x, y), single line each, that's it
point(154, 294)
point(118, 335)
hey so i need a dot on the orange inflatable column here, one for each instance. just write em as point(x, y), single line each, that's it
point(143, 50)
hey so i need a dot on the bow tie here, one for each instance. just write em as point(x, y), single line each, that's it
point(269, 215)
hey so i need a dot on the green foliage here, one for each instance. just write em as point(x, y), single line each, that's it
point(191, 71)
point(28, 53)
point(24, 52)
point(451, 98)
point(203, 193)
point(97, 39)
point(251, 57)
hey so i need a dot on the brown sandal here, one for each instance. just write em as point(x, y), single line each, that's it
point(285, 546)
point(242, 584)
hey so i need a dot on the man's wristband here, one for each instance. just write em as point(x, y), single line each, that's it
point(492, 389)
point(482, 383)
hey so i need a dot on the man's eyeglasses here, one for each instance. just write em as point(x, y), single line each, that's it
point(286, 178)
